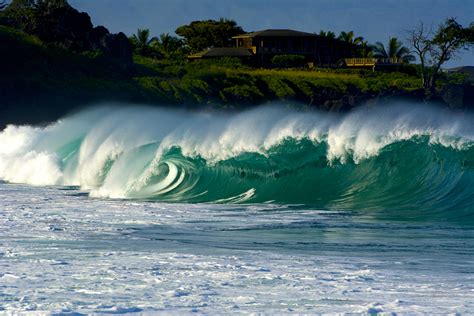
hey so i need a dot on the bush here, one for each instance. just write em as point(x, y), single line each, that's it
point(222, 62)
point(288, 61)
point(245, 93)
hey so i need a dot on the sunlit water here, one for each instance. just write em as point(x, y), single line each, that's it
point(61, 251)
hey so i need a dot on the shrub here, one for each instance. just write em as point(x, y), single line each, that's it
point(246, 93)
point(288, 61)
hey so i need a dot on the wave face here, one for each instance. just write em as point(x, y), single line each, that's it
point(412, 159)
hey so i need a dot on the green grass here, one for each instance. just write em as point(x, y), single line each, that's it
point(230, 82)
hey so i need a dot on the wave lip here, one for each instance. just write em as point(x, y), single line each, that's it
point(401, 158)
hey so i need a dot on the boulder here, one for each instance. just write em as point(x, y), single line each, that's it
point(118, 46)
point(97, 36)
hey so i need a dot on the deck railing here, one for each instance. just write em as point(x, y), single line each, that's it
point(360, 62)
point(371, 62)
point(389, 61)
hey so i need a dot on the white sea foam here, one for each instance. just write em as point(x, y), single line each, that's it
point(64, 253)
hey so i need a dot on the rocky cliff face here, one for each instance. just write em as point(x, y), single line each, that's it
point(72, 29)
point(459, 96)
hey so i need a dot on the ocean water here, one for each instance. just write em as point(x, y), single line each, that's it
point(122, 209)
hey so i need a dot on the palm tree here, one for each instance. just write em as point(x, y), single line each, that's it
point(366, 50)
point(168, 45)
point(394, 49)
point(142, 41)
point(327, 34)
point(348, 37)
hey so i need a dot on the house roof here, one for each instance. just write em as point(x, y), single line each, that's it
point(276, 33)
point(223, 52)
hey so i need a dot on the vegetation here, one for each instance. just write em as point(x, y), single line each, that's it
point(142, 42)
point(327, 34)
point(288, 61)
point(394, 49)
point(434, 48)
point(52, 69)
point(171, 47)
point(50, 52)
point(200, 35)
point(350, 38)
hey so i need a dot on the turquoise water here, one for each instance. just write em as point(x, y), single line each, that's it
point(122, 209)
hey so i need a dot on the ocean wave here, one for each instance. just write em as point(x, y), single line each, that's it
point(402, 157)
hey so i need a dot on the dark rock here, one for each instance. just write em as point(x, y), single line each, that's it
point(96, 37)
point(453, 95)
point(74, 30)
point(468, 99)
point(118, 46)
point(64, 25)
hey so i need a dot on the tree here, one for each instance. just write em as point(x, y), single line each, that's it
point(169, 45)
point(365, 50)
point(3, 4)
point(348, 37)
point(45, 6)
point(35, 16)
point(327, 34)
point(38, 4)
point(434, 48)
point(21, 4)
point(394, 49)
point(142, 42)
point(200, 35)
point(355, 44)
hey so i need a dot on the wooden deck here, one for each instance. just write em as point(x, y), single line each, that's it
point(360, 62)
point(370, 62)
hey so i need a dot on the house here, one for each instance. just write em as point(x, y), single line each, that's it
point(319, 50)
point(260, 47)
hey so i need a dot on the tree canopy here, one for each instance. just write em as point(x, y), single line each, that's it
point(170, 45)
point(36, 16)
point(157, 47)
point(55, 21)
point(434, 48)
point(38, 4)
point(394, 49)
point(327, 34)
point(142, 42)
point(350, 38)
point(200, 35)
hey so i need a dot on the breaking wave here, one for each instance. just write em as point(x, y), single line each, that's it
point(406, 158)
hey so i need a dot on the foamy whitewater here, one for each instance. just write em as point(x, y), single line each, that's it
point(122, 209)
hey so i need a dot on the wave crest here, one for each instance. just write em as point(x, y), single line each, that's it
point(399, 157)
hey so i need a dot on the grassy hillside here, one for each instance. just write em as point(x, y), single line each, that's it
point(40, 82)
point(228, 82)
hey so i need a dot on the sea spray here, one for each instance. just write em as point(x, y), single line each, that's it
point(402, 157)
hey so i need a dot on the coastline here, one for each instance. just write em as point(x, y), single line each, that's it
point(40, 83)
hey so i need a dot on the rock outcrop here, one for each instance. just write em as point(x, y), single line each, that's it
point(74, 30)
